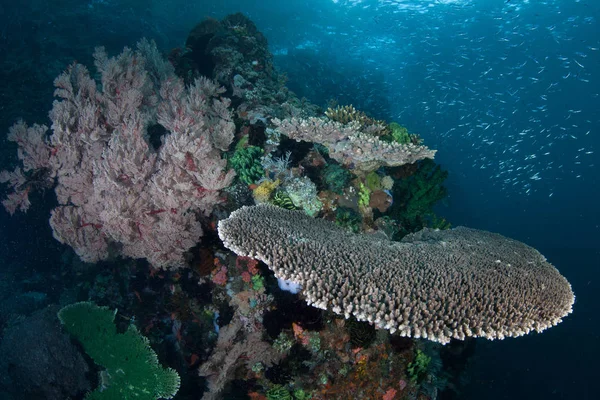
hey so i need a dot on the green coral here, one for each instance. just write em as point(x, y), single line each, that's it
point(303, 193)
point(323, 379)
point(278, 392)
point(418, 367)
point(242, 143)
point(314, 342)
point(322, 149)
point(283, 200)
point(364, 195)
point(258, 283)
point(399, 133)
point(415, 196)
point(436, 222)
point(343, 371)
point(348, 218)
point(131, 367)
point(336, 178)
point(283, 343)
point(258, 367)
point(246, 161)
point(373, 181)
point(301, 394)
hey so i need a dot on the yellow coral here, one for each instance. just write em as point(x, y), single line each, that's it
point(262, 193)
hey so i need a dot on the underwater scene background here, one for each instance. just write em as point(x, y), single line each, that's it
point(126, 271)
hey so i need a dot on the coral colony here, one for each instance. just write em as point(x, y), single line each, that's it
point(331, 263)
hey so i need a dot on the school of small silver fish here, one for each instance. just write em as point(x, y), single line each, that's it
point(508, 88)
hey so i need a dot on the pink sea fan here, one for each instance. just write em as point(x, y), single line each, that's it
point(113, 187)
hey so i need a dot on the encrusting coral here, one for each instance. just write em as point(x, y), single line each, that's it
point(433, 284)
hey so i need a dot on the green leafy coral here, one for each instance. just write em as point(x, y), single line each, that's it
point(131, 367)
point(373, 181)
point(415, 196)
point(348, 218)
point(301, 394)
point(246, 161)
point(278, 392)
point(336, 178)
point(417, 369)
point(364, 195)
point(399, 134)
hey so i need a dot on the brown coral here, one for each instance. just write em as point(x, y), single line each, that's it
point(349, 114)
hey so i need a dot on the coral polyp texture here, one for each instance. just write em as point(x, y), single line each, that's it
point(433, 284)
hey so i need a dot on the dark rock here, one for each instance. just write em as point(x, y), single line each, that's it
point(39, 361)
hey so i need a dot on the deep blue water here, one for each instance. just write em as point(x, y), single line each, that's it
point(507, 91)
